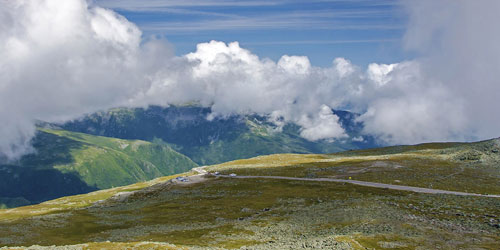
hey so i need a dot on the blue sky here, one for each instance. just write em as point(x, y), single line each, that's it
point(362, 31)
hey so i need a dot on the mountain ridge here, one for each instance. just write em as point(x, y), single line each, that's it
point(221, 139)
point(73, 163)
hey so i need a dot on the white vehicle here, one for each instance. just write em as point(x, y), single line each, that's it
point(233, 175)
point(183, 179)
point(216, 173)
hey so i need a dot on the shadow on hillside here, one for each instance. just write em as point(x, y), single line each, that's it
point(33, 176)
point(50, 150)
point(39, 185)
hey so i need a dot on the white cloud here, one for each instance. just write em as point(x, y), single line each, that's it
point(325, 125)
point(61, 59)
point(358, 139)
point(233, 80)
point(465, 57)
point(343, 67)
point(64, 59)
point(451, 91)
point(380, 73)
point(425, 116)
point(296, 65)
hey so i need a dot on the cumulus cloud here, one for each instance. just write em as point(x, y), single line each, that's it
point(466, 58)
point(62, 59)
point(451, 91)
point(324, 125)
point(405, 105)
point(380, 73)
point(232, 80)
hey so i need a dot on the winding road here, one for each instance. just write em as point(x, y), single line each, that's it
point(201, 171)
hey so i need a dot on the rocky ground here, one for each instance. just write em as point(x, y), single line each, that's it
point(230, 213)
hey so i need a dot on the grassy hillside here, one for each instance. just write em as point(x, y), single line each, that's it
point(465, 167)
point(67, 163)
point(232, 213)
point(218, 140)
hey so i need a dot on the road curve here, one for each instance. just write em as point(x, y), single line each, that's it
point(200, 170)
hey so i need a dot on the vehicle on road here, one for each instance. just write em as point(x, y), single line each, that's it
point(183, 179)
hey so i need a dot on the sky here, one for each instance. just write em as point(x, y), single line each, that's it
point(364, 31)
point(415, 71)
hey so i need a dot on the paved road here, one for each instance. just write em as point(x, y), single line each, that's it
point(200, 170)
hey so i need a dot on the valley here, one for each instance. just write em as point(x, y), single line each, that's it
point(127, 145)
point(269, 213)
point(68, 163)
point(251, 125)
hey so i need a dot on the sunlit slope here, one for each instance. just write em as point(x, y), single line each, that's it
point(66, 163)
point(232, 213)
point(465, 167)
point(76, 201)
point(217, 140)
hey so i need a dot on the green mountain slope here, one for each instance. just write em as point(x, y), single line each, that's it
point(221, 139)
point(67, 163)
point(211, 212)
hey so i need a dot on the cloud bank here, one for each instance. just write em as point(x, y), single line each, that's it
point(62, 59)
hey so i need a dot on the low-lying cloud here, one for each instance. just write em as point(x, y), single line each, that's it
point(62, 59)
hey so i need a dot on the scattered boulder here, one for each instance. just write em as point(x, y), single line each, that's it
point(471, 155)
point(246, 210)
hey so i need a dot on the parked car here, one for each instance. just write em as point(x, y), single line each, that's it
point(183, 179)
point(233, 175)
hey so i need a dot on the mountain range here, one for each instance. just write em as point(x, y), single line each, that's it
point(221, 139)
point(123, 146)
